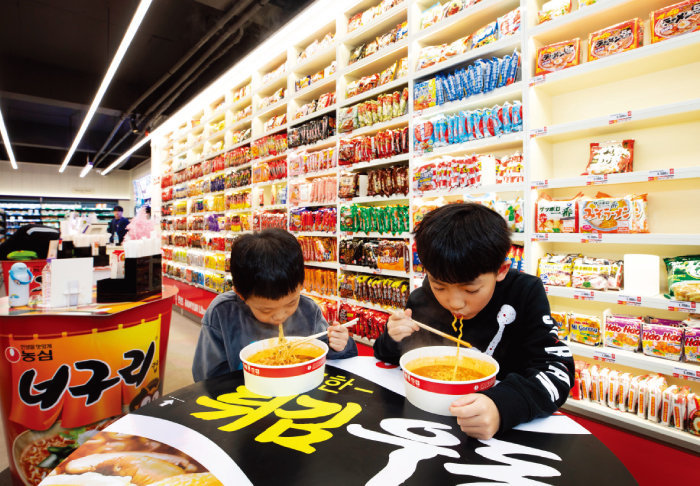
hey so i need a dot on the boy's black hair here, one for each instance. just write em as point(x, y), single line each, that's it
point(458, 242)
point(118, 208)
point(267, 264)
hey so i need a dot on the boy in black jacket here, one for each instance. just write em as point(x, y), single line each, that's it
point(505, 313)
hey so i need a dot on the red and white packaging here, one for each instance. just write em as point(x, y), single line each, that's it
point(603, 385)
point(595, 380)
point(680, 408)
point(693, 414)
point(586, 384)
point(643, 397)
point(623, 387)
point(667, 404)
point(612, 389)
point(656, 390)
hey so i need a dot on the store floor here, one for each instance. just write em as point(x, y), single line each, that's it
point(178, 372)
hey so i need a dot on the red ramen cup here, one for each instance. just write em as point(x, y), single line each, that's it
point(436, 396)
point(284, 380)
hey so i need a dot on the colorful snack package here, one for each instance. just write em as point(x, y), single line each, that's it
point(632, 395)
point(561, 319)
point(667, 397)
point(603, 385)
point(610, 157)
point(553, 9)
point(615, 39)
point(623, 332)
point(513, 67)
point(656, 388)
point(596, 274)
point(613, 383)
point(693, 414)
point(556, 57)
point(595, 381)
point(623, 387)
point(556, 269)
point(605, 214)
point(517, 116)
point(643, 397)
point(585, 329)
point(662, 341)
point(691, 345)
point(586, 384)
point(485, 35)
point(679, 406)
point(680, 18)
point(424, 136)
point(684, 277)
point(509, 23)
point(557, 216)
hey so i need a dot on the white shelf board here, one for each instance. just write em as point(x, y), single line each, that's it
point(238, 211)
point(320, 60)
point(332, 265)
point(634, 360)
point(362, 340)
point(379, 25)
point(316, 89)
point(670, 239)
point(377, 61)
point(276, 108)
point(313, 205)
point(374, 271)
point(272, 207)
point(367, 305)
point(239, 144)
point(647, 59)
point(624, 178)
point(390, 86)
point(634, 423)
point(246, 100)
point(469, 190)
point(377, 162)
point(374, 199)
point(510, 140)
point(314, 175)
point(240, 123)
point(465, 22)
point(622, 298)
point(499, 48)
point(274, 130)
point(651, 117)
point(268, 158)
point(275, 182)
point(230, 190)
point(496, 97)
point(273, 85)
point(319, 296)
point(394, 122)
point(321, 144)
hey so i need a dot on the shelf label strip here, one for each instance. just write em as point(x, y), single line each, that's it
point(686, 374)
point(629, 300)
point(681, 305)
point(661, 174)
point(622, 117)
point(604, 356)
point(584, 294)
point(592, 238)
point(595, 179)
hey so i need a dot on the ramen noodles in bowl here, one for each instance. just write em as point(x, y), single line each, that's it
point(271, 371)
point(428, 376)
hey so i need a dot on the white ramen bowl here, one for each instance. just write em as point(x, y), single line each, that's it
point(276, 381)
point(436, 396)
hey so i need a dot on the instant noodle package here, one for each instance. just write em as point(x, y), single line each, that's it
point(553, 9)
point(371, 324)
point(617, 38)
point(596, 274)
point(680, 18)
point(556, 57)
point(684, 277)
point(585, 329)
point(610, 157)
point(623, 332)
point(556, 216)
point(662, 341)
point(556, 269)
point(605, 214)
point(561, 319)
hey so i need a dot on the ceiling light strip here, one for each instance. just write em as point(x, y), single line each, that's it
point(127, 154)
point(118, 56)
point(6, 141)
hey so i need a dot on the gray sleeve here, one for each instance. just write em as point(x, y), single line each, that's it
point(320, 324)
point(210, 354)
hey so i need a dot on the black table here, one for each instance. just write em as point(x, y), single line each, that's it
point(355, 430)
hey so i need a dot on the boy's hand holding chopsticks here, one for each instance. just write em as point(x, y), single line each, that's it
point(400, 325)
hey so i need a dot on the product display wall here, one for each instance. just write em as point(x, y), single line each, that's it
point(349, 129)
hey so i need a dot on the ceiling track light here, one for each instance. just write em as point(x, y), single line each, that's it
point(6, 141)
point(127, 154)
point(86, 169)
point(111, 71)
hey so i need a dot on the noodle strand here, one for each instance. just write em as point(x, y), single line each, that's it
point(454, 326)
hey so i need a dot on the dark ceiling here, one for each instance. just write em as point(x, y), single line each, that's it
point(54, 54)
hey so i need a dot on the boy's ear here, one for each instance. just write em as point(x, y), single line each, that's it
point(502, 271)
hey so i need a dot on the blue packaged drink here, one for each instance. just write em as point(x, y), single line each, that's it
point(513, 68)
point(506, 112)
point(503, 69)
point(517, 116)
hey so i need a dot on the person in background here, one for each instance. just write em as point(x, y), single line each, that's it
point(148, 212)
point(268, 275)
point(117, 226)
point(505, 314)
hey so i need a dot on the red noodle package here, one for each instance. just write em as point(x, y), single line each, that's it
point(556, 57)
point(674, 20)
point(615, 39)
point(610, 157)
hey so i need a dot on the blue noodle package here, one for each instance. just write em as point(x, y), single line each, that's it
point(496, 120)
point(506, 111)
point(440, 126)
point(462, 133)
point(517, 116)
point(513, 68)
point(457, 83)
point(478, 77)
point(439, 91)
point(493, 80)
point(503, 69)
point(486, 72)
point(476, 123)
point(462, 76)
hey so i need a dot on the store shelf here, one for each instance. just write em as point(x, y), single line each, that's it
point(273, 207)
point(238, 211)
point(684, 49)
point(374, 271)
point(499, 48)
point(318, 62)
point(230, 190)
point(314, 175)
point(379, 25)
point(377, 163)
point(374, 199)
point(622, 298)
point(469, 190)
point(367, 305)
point(387, 125)
point(313, 92)
point(274, 130)
point(315, 233)
point(511, 140)
point(314, 205)
point(625, 178)
point(321, 144)
point(332, 265)
point(276, 182)
point(678, 369)
point(239, 144)
point(374, 234)
point(634, 423)
point(465, 22)
point(681, 112)
point(668, 239)
point(363, 340)
point(374, 92)
point(240, 123)
point(496, 97)
point(377, 61)
point(263, 160)
point(319, 296)
point(272, 85)
point(274, 109)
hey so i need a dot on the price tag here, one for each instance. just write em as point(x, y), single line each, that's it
point(583, 294)
point(661, 174)
point(596, 179)
point(537, 80)
point(546, 289)
point(681, 305)
point(540, 237)
point(604, 356)
point(540, 184)
point(592, 238)
point(629, 300)
point(538, 132)
point(622, 117)
point(686, 374)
